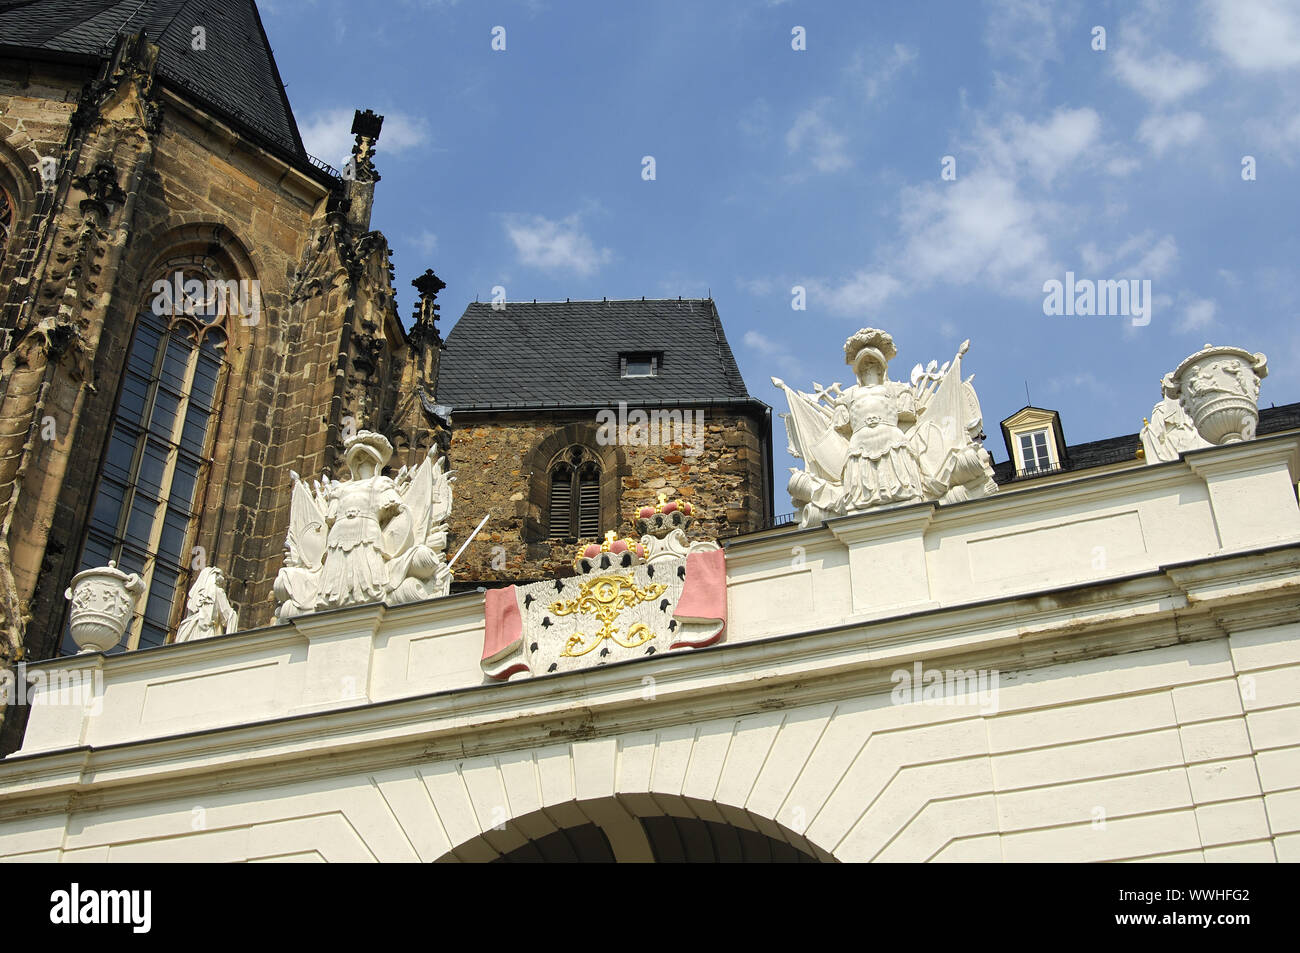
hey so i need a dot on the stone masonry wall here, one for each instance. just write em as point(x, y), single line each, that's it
point(499, 470)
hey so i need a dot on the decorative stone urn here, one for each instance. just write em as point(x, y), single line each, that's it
point(102, 602)
point(1218, 387)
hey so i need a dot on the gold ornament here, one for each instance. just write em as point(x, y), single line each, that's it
point(606, 597)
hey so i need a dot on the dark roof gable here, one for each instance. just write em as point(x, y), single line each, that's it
point(236, 74)
point(567, 352)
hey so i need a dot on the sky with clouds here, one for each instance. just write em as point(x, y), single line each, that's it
point(821, 168)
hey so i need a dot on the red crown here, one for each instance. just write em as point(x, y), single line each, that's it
point(664, 516)
point(610, 552)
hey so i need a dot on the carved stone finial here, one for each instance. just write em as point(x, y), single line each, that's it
point(425, 320)
point(366, 126)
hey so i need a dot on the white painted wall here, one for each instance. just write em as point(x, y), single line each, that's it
point(1148, 706)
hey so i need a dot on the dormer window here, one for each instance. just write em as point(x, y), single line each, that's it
point(1033, 451)
point(1035, 441)
point(639, 364)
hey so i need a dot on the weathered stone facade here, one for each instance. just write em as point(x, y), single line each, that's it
point(150, 180)
point(148, 184)
point(501, 461)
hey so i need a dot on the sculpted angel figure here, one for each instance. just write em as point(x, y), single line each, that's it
point(209, 610)
point(882, 442)
point(370, 538)
point(882, 467)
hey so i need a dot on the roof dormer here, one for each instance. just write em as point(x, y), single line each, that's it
point(1035, 441)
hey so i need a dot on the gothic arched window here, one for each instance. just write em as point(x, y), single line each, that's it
point(6, 223)
point(156, 463)
point(573, 510)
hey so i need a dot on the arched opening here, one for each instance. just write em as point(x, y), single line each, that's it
point(639, 829)
point(573, 504)
point(574, 486)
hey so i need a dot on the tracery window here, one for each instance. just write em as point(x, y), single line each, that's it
point(156, 463)
point(6, 223)
point(573, 511)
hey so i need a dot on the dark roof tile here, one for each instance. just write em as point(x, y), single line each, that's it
point(567, 352)
point(1100, 453)
point(236, 73)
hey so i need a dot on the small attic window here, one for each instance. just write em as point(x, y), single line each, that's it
point(1034, 441)
point(1033, 451)
point(639, 364)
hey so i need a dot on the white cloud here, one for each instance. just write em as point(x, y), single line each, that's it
point(1044, 148)
point(756, 118)
point(1026, 31)
point(1179, 129)
point(871, 73)
point(426, 242)
point(1122, 165)
point(759, 287)
point(863, 293)
point(328, 134)
point(980, 228)
point(776, 352)
point(1162, 77)
point(1198, 314)
point(763, 344)
point(555, 246)
point(1138, 256)
point(813, 133)
point(1256, 35)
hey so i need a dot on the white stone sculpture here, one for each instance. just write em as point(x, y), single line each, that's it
point(1170, 432)
point(209, 610)
point(1218, 387)
point(370, 538)
point(882, 442)
point(103, 600)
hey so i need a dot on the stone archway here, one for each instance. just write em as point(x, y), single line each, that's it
point(638, 829)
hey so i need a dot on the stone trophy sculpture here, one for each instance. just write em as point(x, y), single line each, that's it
point(1211, 398)
point(882, 442)
point(370, 538)
point(210, 613)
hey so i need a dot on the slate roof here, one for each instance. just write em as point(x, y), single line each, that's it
point(1100, 453)
point(236, 75)
point(562, 353)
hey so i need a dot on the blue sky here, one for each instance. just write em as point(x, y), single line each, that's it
point(822, 168)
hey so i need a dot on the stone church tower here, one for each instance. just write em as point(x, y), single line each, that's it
point(191, 307)
point(155, 429)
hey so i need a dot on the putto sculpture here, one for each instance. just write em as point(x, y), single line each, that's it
point(370, 538)
point(1211, 398)
point(882, 442)
point(209, 612)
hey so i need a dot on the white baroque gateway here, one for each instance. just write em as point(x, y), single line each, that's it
point(885, 443)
